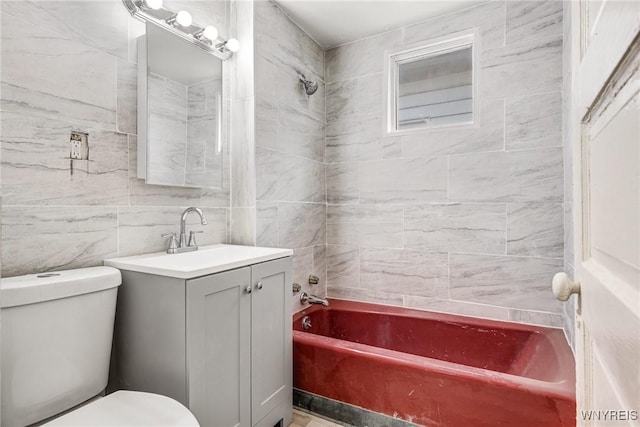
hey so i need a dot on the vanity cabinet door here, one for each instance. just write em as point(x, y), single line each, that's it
point(271, 369)
point(218, 313)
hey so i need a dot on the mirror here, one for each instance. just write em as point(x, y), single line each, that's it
point(431, 85)
point(179, 112)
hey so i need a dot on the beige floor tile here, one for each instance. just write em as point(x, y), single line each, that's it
point(303, 419)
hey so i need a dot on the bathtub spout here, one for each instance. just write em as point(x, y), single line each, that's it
point(312, 299)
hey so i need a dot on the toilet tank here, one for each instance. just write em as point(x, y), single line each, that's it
point(56, 341)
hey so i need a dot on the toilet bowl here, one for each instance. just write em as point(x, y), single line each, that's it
point(55, 347)
point(128, 409)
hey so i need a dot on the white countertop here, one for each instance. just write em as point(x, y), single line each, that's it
point(206, 260)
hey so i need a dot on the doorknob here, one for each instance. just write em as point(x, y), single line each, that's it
point(563, 287)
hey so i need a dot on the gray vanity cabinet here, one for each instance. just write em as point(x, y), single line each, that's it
point(220, 344)
point(271, 345)
point(219, 348)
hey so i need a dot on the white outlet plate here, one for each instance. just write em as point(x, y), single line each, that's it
point(79, 142)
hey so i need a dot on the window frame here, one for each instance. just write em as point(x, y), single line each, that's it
point(419, 51)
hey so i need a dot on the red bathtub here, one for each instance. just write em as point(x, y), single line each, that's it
point(435, 369)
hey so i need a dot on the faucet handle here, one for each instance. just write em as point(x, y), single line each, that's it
point(192, 237)
point(173, 244)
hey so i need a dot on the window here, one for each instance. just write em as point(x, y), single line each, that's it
point(431, 85)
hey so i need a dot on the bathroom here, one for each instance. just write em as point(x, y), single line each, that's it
point(470, 219)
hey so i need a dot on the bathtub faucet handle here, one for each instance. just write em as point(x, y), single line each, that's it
point(313, 280)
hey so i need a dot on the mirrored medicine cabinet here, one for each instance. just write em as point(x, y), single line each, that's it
point(180, 117)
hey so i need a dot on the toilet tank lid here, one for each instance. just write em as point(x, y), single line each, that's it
point(34, 288)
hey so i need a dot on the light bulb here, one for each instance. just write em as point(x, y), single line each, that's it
point(183, 18)
point(153, 4)
point(233, 45)
point(210, 32)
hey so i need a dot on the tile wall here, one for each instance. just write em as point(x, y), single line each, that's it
point(290, 146)
point(71, 65)
point(462, 220)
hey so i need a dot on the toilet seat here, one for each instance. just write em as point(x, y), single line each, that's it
point(129, 409)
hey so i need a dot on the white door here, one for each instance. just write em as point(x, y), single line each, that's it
point(606, 139)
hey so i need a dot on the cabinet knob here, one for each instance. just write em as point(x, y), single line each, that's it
point(259, 285)
point(248, 289)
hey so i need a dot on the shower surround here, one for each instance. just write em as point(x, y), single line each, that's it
point(465, 220)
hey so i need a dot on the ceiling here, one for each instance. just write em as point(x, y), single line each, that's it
point(333, 22)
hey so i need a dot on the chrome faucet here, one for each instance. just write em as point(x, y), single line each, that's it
point(312, 299)
point(182, 245)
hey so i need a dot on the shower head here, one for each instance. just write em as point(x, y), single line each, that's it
point(309, 87)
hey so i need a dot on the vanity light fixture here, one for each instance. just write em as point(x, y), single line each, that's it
point(182, 25)
point(232, 44)
point(153, 4)
point(182, 18)
point(209, 32)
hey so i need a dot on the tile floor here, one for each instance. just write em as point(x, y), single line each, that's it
point(303, 419)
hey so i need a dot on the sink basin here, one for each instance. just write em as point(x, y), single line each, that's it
point(206, 260)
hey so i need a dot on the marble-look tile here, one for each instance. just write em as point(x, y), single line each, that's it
point(341, 140)
point(373, 226)
point(404, 180)
point(405, 272)
point(478, 228)
point(515, 176)
point(242, 82)
point(300, 134)
point(523, 68)
point(285, 42)
point(100, 24)
point(127, 97)
point(342, 100)
point(486, 135)
point(38, 80)
point(506, 281)
point(267, 224)
point(266, 121)
point(535, 229)
point(36, 168)
point(534, 121)
point(242, 226)
point(370, 138)
point(536, 318)
point(243, 188)
point(370, 101)
point(364, 295)
point(302, 266)
point(136, 29)
point(532, 19)
point(56, 238)
point(140, 228)
point(487, 17)
point(301, 224)
point(142, 194)
point(343, 266)
point(320, 268)
point(359, 58)
point(282, 82)
point(342, 182)
point(457, 307)
point(308, 261)
point(286, 177)
point(569, 251)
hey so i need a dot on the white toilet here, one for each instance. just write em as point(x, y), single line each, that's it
point(57, 330)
